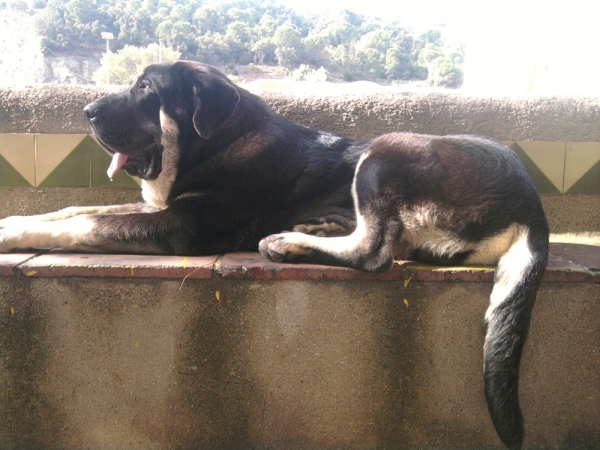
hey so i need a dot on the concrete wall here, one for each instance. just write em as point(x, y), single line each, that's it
point(57, 109)
point(148, 363)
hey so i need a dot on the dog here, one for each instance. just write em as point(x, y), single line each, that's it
point(222, 173)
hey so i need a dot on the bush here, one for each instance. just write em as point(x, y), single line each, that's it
point(127, 63)
point(305, 73)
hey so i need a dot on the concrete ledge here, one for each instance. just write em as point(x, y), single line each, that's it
point(567, 263)
point(101, 351)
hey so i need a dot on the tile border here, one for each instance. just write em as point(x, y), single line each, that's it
point(558, 179)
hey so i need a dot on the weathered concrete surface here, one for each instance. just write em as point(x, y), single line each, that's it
point(87, 363)
point(566, 213)
point(58, 109)
point(571, 213)
point(46, 108)
point(18, 201)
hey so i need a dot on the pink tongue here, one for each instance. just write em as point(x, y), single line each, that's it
point(117, 162)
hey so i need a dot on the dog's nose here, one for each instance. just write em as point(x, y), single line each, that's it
point(91, 110)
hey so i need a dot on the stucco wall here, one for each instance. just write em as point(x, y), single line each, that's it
point(57, 109)
point(149, 363)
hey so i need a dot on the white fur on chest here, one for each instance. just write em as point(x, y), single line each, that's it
point(156, 192)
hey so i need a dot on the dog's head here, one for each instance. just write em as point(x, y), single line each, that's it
point(130, 124)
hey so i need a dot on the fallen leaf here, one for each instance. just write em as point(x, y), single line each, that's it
point(407, 282)
point(132, 271)
point(406, 302)
point(19, 290)
point(218, 295)
point(185, 261)
point(32, 273)
point(137, 344)
point(12, 310)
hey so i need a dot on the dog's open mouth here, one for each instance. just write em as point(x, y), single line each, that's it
point(118, 160)
point(145, 164)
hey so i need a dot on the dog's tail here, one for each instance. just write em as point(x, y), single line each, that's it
point(518, 276)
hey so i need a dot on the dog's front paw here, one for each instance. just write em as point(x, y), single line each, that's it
point(17, 232)
point(283, 247)
point(7, 237)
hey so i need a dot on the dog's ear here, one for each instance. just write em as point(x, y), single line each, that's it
point(215, 98)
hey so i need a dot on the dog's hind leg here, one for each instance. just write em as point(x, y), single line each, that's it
point(365, 249)
point(370, 247)
point(517, 279)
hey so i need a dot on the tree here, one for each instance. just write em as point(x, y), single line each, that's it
point(213, 48)
point(238, 39)
point(316, 51)
point(208, 19)
point(443, 65)
point(264, 51)
point(289, 46)
point(398, 65)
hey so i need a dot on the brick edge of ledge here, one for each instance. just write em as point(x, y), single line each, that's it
point(253, 266)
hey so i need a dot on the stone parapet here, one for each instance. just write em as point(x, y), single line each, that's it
point(358, 114)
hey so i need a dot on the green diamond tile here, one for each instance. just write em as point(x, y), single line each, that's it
point(589, 183)
point(18, 155)
point(9, 176)
point(582, 174)
point(73, 170)
point(542, 182)
point(100, 162)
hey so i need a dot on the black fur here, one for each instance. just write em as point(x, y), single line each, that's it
point(222, 172)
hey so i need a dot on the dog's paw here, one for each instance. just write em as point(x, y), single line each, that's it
point(8, 236)
point(19, 233)
point(283, 247)
point(13, 229)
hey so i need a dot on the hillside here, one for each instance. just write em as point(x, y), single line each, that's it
point(59, 42)
point(22, 61)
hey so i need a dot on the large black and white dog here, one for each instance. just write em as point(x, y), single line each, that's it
point(221, 172)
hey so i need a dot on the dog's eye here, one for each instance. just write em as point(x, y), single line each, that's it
point(144, 85)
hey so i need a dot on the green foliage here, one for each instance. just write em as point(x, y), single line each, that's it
point(442, 64)
point(350, 45)
point(305, 73)
point(127, 63)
